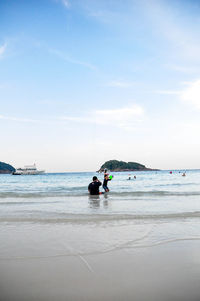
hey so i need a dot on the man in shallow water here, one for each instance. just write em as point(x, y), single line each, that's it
point(93, 187)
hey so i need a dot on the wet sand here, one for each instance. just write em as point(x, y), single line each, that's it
point(168, 272)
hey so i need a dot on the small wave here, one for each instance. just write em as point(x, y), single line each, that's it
point(40, 194)
point(156, 193)
point(177, 184)
point(78, 193)
point(27, 202)
point(97, 218)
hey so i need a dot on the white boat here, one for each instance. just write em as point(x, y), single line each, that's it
point(28, 170)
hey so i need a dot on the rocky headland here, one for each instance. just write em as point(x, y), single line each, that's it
point(115, 165)
point(6, 168)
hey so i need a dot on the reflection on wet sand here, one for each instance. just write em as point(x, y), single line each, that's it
point(95, 201)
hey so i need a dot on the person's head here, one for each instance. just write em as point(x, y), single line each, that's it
point(94, 178)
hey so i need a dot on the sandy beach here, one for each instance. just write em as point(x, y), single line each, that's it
point(161, 273)
point(61, 268)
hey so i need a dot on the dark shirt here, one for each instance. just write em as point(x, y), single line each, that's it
point(94, 187)
point(106, 181)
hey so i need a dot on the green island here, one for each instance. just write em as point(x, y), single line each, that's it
point(6, 168)
point(115, 165)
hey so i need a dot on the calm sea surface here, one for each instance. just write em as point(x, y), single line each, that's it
point(53, 215)
point(56, 196)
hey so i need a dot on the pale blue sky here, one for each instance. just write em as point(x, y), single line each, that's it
point(86, 81)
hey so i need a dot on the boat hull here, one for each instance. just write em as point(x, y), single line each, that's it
point(30, 173)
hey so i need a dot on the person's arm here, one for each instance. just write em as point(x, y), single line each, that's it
point(89, 188)
point(99, 183)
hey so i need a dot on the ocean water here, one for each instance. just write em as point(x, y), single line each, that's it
point(152, 194)
point(157, 207)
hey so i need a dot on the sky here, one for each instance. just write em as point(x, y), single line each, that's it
point(86, 81)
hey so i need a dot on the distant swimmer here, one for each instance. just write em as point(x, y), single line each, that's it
point(183, 175)
point(93, 187)
point(170, 172)
point(129, 177)
point(105, 182)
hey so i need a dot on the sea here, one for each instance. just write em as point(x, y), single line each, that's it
point(57, 196)
point(152, 208)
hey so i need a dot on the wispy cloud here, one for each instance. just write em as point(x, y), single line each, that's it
point(63, 55)
point(69, 59)
point(183, 69)
point(125, 118)
point(66, 3)
point(168, 92)
point(10, 118)
point(120, 84)
point(107, 12)
point(103, 16)
point(191, 94)
point(177, 31)
point(3, 49)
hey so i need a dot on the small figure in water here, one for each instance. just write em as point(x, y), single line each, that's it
point(105, 182)
point(129, 177)
point(106, 172)
point(183, 175)
point(93, 187)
